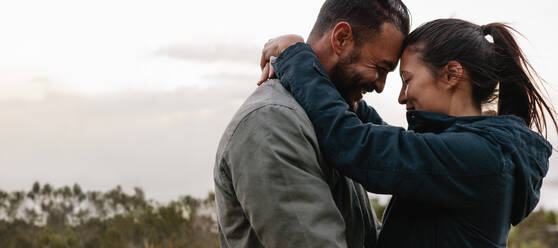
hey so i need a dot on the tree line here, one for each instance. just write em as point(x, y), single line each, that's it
point(49, 217)
point(69, 217)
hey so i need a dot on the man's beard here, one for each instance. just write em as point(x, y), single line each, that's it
point(346, 79)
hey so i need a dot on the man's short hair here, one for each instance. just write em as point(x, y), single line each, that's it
point(364, 16)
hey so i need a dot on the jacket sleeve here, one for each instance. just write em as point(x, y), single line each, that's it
point(451, 170)
point(367, 114)
point(278, 181)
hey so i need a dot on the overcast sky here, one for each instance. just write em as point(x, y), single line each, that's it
point(138, 93)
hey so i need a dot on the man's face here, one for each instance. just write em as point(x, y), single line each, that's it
point(366, 67)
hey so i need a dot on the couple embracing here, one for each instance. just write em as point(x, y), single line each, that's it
point(294, 166)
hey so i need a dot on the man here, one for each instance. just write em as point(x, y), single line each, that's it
point(272, 186)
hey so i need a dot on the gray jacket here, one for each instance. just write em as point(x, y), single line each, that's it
point(273, 188)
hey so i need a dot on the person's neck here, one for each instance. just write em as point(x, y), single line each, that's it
point(324, 52)
point(327, 58)
point(462, 108)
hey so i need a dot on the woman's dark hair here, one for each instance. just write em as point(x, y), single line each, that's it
point(490, 64)
point(364, 16)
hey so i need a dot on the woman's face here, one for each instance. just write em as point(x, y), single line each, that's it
point(421, 89)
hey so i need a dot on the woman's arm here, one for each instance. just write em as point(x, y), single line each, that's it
point(367, 114)
point(426, 167)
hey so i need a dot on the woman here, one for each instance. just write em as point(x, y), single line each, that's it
point(458, 179)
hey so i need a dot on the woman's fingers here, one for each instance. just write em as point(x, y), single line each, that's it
point(267, 51)
point(271, 71)
point(263, 60)
point(274, 47)
point(265, 74)
point(270, 49)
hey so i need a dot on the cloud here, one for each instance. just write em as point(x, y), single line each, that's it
point(164, 142)
point(212, 52)
point(24, 86)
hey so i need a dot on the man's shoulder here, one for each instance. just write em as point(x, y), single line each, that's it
point(270, 94)
point(270, 107)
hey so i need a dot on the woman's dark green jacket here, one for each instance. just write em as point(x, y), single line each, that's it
point(455, 181)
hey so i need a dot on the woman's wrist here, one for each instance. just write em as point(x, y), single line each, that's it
point(287, 54)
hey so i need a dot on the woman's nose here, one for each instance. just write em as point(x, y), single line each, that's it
point(403, 95)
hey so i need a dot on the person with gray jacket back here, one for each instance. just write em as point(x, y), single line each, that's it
point(272, 186)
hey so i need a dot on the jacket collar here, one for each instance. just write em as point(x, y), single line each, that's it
point(426, 122)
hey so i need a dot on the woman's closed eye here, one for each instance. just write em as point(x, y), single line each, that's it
point(405, 81)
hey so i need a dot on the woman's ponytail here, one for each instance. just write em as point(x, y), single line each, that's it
point(519, 93)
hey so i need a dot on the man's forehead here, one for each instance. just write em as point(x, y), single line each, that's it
point(386, 47)
point(389, 64)
point(382, 56)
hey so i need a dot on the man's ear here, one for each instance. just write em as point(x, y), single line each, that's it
point(342, 39)
point(453, 73)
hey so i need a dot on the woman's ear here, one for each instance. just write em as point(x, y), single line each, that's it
point(453, 73)
point(342, 39)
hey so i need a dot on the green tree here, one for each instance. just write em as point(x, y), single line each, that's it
point(69, 217)
point(537, 231)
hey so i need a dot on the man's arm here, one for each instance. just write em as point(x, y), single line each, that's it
point(278, 182)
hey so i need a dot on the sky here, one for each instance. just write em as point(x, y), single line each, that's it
point(138, 93)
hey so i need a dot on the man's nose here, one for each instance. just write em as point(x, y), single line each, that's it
point(402, 95)
point(380, 84)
